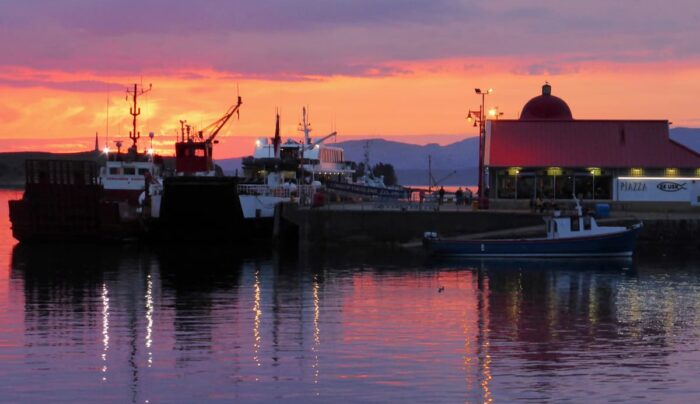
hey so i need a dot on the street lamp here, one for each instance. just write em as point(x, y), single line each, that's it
point(480, 119)
point(494, 113)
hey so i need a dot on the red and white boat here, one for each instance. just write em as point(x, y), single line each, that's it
point(68, 200)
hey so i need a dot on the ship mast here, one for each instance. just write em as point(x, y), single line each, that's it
point(305, 126)
point(277, 140)
point(135, 110)
point(368, 171)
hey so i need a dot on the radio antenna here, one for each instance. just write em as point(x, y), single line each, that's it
point(135, 110)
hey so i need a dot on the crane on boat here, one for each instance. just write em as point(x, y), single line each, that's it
point(215, 127)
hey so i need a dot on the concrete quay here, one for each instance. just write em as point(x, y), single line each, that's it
point(404, 223)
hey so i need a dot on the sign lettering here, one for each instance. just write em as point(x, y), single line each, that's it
point(671, 186)
point(633, 186)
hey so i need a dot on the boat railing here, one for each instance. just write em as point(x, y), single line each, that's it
point(280, 192)
point(61, 172)
point(263, 190)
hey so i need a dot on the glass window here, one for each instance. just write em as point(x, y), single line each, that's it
point(114, 170)
point(129, 170)
point(142, 171)
point(586, 222)
point(575, 226)
point(637, 172)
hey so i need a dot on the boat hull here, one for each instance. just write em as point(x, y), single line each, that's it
point(63, 201)
point(619, 244)
point(208, 210)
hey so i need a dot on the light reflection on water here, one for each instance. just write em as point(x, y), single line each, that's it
point(213, 325)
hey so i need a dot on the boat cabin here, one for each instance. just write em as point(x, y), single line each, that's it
point(193, 157)
point(577, 225)
point(127, 175)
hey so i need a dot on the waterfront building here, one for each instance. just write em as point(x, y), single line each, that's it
point(548, 154)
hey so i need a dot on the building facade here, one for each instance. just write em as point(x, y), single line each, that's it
point(548, 154)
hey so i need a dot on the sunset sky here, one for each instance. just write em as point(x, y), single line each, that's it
point(399, 69)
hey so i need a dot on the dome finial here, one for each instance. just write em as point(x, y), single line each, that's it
point(546, 107)
point(546, 89)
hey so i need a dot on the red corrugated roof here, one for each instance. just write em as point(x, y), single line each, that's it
point(585, 143)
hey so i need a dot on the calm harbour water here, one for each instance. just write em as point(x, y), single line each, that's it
point(127, 324)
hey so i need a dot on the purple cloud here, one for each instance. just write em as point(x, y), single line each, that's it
point(291, 40)
point(73, 86)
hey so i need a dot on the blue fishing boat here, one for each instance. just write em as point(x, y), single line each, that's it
point(567, 236)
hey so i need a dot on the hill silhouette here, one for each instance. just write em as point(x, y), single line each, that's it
point(409, 160)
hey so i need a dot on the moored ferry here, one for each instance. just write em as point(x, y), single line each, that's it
point(310, 159)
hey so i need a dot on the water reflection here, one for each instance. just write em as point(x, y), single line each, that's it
point(317, 331)
point(256, 321)
point(105, 329)
point(161, 326)
point(149, 319)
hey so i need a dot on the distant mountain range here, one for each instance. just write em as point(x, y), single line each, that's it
point(409, 160)
point(689, 137)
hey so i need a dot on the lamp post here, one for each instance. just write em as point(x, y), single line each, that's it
point(494, 113)
point(480, 119)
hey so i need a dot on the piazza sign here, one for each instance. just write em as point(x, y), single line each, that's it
point(653, 189)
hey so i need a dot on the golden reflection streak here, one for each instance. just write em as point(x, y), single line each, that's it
point(486, 343)
point(468, 365)
point(149, 320)
point(256, 322)
point(592, 305)
point(487, 374)
point(105, 329)
point(317, 331)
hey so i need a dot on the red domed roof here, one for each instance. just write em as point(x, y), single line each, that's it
point(546, 107)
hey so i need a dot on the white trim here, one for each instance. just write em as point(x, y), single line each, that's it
point(661, 178)
point(620, 254)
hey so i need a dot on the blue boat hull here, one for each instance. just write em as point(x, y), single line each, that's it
point(611, 245)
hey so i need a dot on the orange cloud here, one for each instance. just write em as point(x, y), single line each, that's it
point(427, 102)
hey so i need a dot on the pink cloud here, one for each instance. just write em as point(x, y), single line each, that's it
point(304, 39)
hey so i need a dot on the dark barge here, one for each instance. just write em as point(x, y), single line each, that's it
point(64, 201)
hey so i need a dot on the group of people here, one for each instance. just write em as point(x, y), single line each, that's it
point(461, 197)
point(538, 205)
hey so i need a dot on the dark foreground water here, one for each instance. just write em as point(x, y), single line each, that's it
point(86, 324)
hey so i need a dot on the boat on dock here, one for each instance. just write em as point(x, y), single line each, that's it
point(577, 235)
point(84, 200)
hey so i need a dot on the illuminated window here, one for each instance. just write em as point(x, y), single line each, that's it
point(594, 171)
point(554, 171)
point(637, 172)
point(514, 171)
point(672, 172)
point(697, 172)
